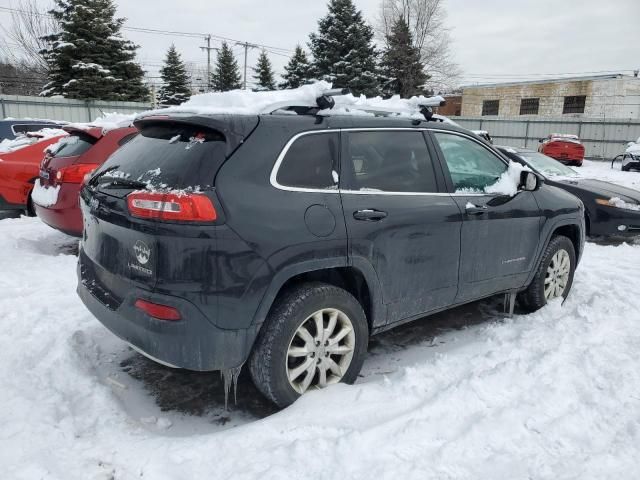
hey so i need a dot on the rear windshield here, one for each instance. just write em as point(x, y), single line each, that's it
point(166, 157)
point(72, 145)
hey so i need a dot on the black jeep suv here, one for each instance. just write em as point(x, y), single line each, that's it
point(285, 240)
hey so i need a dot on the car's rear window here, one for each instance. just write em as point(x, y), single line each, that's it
point(169, 156)
point(72, 145)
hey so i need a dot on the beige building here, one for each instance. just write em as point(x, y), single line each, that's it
point(602, 96)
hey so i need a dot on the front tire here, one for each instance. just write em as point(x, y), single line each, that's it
point(315, 335)
point(554, 276)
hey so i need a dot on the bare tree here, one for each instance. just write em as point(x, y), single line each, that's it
point(22, 41)
point(427, 21)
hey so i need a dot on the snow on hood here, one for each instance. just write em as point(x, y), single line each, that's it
point(109, 121)
point(244, 102)
point(30, 138)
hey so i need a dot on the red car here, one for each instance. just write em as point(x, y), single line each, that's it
point(19, 168)
point(563, 147)
point(64, 169)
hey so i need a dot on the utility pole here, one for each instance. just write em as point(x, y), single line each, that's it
point(246, 46)
point(208, 49)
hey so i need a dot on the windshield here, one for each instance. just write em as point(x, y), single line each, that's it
point(547, 165)
point(165, 157)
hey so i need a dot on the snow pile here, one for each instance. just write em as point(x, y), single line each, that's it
point(45, 196)
point(619, 203)
point(244, 102)
point(551, 395)
point(30, 138)
point(602, 170)
point(634, 148)
point(509, 181)
point(108, 121)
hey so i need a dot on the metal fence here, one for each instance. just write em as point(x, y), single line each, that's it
point(603, 139)
point(18, 106)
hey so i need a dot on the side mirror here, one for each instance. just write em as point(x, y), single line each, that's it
point(529, 181)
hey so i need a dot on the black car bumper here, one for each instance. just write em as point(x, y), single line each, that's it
point(193, 342)
point(615, 221)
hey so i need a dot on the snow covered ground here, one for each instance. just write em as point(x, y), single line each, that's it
point(467, 394)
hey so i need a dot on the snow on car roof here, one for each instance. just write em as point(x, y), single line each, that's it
point(30, 138)
point(108, 121)
point(244, 102)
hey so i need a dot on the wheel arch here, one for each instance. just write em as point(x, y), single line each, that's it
point(359, 281)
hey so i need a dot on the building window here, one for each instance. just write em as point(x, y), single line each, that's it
point(490, 107)
point(574, 104)
point(529, 106)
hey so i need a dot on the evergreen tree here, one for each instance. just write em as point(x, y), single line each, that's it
point(343, 50)
point(264, 73)
point(297, 71)
point(227, 74)
point(88, 58)
point(401, 66)
point(175, 89)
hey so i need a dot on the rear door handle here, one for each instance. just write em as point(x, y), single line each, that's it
point(369, 215)
point(472, 209)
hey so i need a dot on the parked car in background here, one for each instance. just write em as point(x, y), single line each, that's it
point(215, 240)
point(610, 210)
point(63, 171)
point(563, 147)
point(19, 165)
point(11, 128)
point(631, 157)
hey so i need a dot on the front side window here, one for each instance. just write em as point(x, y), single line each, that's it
point(390, 161)
point(472, 167)
point(311, 162)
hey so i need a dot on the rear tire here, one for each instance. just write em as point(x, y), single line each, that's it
point(30, 211)
point(554, 276)
point(293, 354)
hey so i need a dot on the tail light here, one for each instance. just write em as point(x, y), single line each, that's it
point(75, 173)
point(156, 310)
point(187, 207)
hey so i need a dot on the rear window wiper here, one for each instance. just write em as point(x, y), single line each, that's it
point(109, 182)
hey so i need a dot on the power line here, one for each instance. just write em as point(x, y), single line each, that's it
point(156, 31)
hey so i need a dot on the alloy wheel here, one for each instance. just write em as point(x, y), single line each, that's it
point(557, 276)
point(320, 350)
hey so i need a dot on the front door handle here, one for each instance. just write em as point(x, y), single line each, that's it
point(369, 215)
point(472, 209)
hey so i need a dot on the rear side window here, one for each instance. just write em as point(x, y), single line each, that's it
point(168, 156)
point(391, 161)
point(311, 162)
point(72, 145)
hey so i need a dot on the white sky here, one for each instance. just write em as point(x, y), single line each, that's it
point(493, 40)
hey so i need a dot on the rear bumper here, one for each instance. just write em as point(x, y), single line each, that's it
point(65, 215)
point(193, 343)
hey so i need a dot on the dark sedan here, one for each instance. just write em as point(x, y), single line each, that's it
point(609, 209)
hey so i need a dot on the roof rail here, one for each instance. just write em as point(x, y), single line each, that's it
point(331, 98)
point(322, 102)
